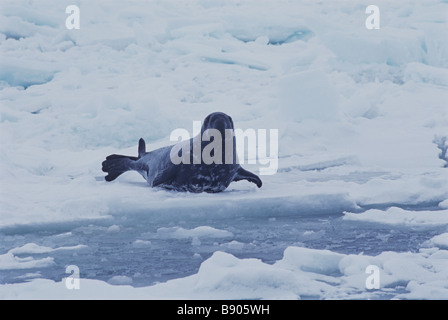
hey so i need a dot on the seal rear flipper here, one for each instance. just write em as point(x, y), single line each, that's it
point(141, 147)
point(242, 174)
point(116, 164)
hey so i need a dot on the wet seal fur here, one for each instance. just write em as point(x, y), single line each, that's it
point(159, 170)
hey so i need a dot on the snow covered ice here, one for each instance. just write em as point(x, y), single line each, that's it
point(362, 174)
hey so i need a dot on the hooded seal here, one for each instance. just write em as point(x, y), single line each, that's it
point(205, 163)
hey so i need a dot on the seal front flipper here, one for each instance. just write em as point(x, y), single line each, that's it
point(242, 174)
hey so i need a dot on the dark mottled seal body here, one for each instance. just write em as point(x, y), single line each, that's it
point(197, 175)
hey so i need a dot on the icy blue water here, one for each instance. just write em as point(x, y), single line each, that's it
point(133, 248)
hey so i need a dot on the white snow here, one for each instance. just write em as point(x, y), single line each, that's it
point(141, 243)
point(363, 137)
point(440, 241)
point(120, 280)
point(301, 273)
point(400, 217)
point(444, 204)
point(198, 232)
point(11, 259)
point(31, 248)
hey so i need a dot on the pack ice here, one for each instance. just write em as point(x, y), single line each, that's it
point(362, 123)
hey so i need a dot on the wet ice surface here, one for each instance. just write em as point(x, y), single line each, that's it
point(145, 253)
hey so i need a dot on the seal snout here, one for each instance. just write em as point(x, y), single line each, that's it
point(221, 121)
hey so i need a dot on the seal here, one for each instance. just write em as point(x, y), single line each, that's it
point(199, 171)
